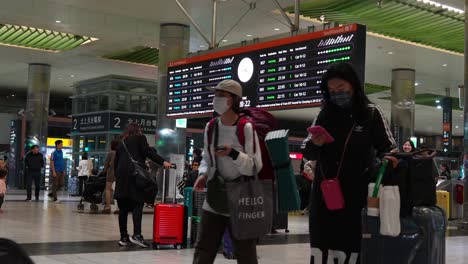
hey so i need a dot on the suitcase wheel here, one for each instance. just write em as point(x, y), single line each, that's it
point(80, 207)
point(156, 246)
point(178, 246)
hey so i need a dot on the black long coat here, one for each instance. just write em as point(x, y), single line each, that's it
point(125, 182)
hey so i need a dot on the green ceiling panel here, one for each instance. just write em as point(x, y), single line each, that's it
point(141, 55)
point(35, 38)
point(409, 20)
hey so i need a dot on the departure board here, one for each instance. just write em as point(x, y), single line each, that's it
point(280, 74)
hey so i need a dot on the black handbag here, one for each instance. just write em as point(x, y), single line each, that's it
point(142, 176)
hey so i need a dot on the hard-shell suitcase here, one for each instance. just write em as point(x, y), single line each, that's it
point(378, 249)
point(432, 221)
point(169, 223)
point(228, 248)
point(443, 201)
point(73, 184)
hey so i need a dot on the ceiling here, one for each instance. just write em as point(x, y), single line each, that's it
point(121, 25)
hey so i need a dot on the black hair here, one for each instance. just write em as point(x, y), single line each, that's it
point(84, 156)
point(197, 151)
point(236, 100)
point(413, 148)
point(34, 146)
point(3, 173)
point(345, 71)
point(58, 142)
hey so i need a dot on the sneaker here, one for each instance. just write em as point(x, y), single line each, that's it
point(56, 201)
point(37, 199)
point(139, 240)
point(124, 241)
point(28, 199)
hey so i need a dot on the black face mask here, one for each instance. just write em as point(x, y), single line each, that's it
point(341, 99)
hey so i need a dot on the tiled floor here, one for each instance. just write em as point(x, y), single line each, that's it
point(57, 233)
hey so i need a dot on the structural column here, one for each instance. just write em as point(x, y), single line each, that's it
point(37, 105)
point(173, 45)
point(403, 91)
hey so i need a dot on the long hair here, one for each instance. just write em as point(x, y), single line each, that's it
point(133, 129)
point(345, 71)
point(413, 147)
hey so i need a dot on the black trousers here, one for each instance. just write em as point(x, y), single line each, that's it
point(2, 198)
point(126, 206)
point(33, 175)
point(208, 241)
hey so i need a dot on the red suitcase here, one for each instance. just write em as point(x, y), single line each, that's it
point(168, 222)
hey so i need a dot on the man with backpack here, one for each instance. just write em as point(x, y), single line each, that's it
point(225, 159)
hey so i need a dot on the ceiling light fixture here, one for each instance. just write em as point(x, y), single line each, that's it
point(444, 65)
point(437, 101)
point(439, 107)
point(456, 126)
point(224, 40)
point(416, 84)
point(276, 29)
point(436, 4)
point(201, 46)
point(248, 35)
point(73, 76)
point(58, 21)
point(390, 53)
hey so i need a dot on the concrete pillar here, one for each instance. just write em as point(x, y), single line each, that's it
point(37, 105)
point(403, 91)
point(173, 45)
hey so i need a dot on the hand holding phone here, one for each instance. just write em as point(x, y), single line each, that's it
point(320, 136)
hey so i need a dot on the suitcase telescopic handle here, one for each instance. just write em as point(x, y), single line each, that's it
point(173, 166)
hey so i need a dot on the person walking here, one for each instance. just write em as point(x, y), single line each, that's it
point(109, 170)
point(33, 164)
point(57, 169)
point(85, 168)
point(359, 129)
point(129, 198)
point(225, 160)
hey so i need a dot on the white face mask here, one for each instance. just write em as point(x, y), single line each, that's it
point(220, 104)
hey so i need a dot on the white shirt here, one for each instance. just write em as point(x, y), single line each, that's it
point(248, 163)
point(85, 167)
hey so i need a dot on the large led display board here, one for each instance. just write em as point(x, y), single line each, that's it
point(279, 74)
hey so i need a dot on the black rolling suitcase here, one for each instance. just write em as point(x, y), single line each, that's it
point(12, 253)
point(432, 221)
point(378, 249)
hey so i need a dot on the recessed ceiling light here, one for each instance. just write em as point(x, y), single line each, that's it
point(456, 126)
point(201, 46)
point(439, 107)
point(444, 65)
point(224, 40)
point(248, 35)
point(437, 101)
point(390, 53)
point(58, 21)
point(416, 84)
point(73, 76)
point(276, 29)
point(13, 95)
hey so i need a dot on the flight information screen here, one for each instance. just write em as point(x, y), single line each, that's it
point(279, 74)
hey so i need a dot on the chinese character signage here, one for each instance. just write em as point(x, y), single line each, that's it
point(112, 121)
point(447, 124)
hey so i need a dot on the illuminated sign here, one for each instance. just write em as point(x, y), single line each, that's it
point(279, 74)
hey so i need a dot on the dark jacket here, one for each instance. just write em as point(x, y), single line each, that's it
point(125, 184)
point(34, 161)
point(191, 178)
point(341, 229)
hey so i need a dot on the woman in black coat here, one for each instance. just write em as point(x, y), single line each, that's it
point(128, 196)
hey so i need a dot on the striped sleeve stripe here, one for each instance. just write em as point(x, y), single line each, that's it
point(387, 128)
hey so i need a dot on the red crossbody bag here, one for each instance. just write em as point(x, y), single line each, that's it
point(331, 188)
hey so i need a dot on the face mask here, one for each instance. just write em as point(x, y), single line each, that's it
point(341, 99)
point(220, 105)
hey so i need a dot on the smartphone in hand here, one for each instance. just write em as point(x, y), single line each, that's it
point(318, 130)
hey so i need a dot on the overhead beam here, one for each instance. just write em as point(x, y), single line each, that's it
point(197, 27)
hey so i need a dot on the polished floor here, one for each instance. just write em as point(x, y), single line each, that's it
point(57, 233)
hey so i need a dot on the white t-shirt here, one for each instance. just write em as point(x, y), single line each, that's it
point(85, 167)
point(248, 163)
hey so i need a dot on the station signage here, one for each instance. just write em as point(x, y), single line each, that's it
point(447, 124)
point(279, 74)
point(112, 121)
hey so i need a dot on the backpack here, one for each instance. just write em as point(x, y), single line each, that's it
point(262, 123)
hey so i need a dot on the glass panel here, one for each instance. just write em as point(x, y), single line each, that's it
point(92, 104)
point(121, 103)
point(103, 102)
